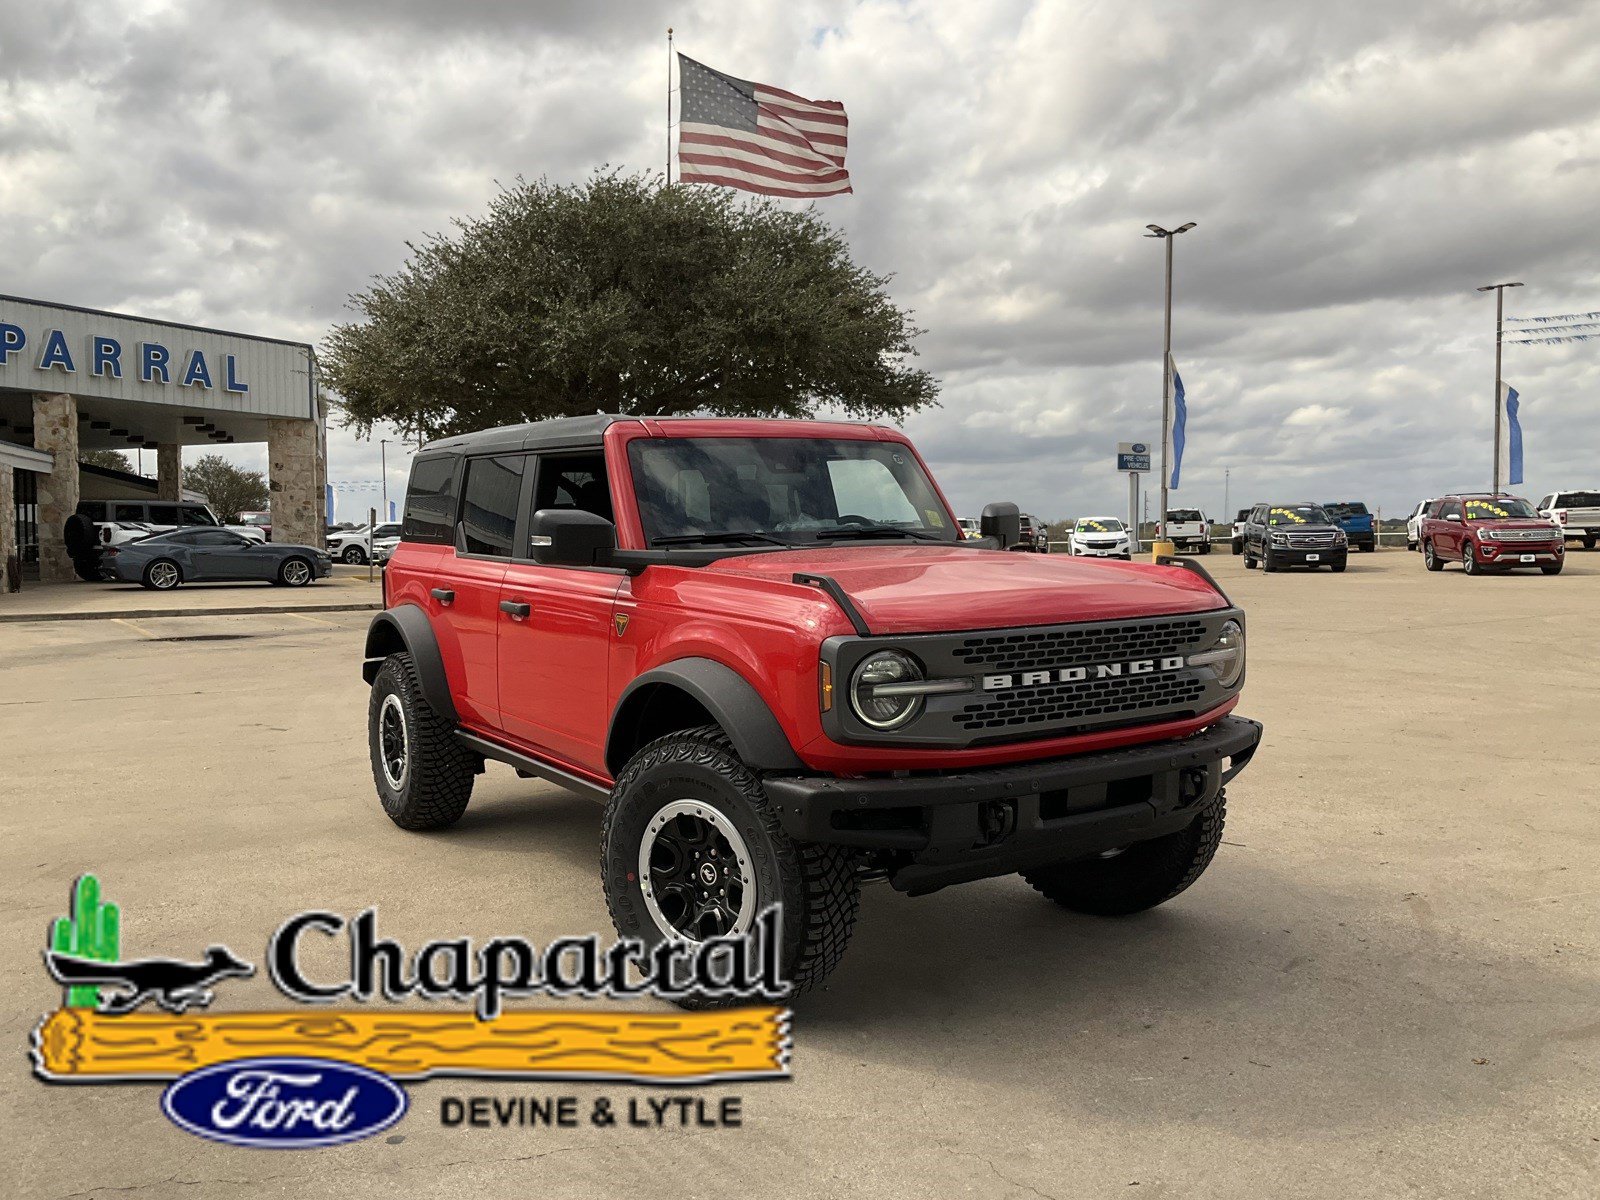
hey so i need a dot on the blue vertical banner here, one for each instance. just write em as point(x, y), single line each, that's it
point(1512, 466)
point(1180, 414)
point(328, 489)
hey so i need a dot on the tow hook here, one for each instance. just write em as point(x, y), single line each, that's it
point(997, 820)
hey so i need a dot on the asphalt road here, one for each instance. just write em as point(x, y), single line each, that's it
point(1385, 986)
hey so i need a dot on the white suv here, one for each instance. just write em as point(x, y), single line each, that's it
point(1098, 537)
point(355, 545)
point(1414, 524)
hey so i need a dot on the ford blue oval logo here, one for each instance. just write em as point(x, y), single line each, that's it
point(284, 1103)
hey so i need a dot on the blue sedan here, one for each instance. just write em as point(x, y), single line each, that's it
point(211, 555)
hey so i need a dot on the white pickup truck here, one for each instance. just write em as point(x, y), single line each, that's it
point(1577, 512)
point(1188, 529)
point(356, 545)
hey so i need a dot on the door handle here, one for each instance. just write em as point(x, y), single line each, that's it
point(517, 611)
point(442, 595)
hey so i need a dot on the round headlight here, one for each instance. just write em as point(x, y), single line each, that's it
point(1225, 656)
point(873, 692)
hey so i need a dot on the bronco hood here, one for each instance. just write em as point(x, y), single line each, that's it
point(932, 589)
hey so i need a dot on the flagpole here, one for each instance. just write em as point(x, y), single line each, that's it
point(1499, 290)
point(669, 107)
point(1166, 374)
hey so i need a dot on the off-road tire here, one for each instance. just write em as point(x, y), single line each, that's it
point(437, 783)
point(1430, 557)
point(817, 887)
point(1142, 876)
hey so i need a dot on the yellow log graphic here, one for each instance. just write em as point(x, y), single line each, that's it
point(81, 1044)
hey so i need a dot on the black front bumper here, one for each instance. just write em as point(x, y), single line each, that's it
point(997, 820)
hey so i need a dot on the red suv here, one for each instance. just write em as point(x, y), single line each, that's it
point(767, 649)
point(1485, 532)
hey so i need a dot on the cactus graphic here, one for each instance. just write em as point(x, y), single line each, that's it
point(92, 931)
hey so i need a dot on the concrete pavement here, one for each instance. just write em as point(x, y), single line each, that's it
point(1385, 986)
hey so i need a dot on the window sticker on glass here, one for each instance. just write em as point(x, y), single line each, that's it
point(1288, 514)
point(935, 518)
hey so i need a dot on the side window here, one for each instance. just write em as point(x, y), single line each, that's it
point(489, 495)
point(127, 512)
point(93, 510)
point(431, 501)
point(194, 514)
point(1450, 508)
point(1547, 502)
point(573, 481)
point(214, 537)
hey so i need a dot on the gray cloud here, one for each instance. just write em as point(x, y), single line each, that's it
point(1355, 170)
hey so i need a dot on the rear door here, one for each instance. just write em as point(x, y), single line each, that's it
point(557, 631)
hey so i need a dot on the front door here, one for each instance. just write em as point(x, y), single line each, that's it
point(554, 652)
point(1447, 535)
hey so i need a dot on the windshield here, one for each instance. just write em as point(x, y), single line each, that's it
point(1099, 525)
point(794, 491)
point(1500, 509)
point(251, 518)
point(1297, 514)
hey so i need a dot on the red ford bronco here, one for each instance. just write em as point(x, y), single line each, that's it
point(767, 649)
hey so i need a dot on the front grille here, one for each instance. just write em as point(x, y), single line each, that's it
point(1033, 649)
point(1525, 535)
point(1067, 704)
point(1310, 541)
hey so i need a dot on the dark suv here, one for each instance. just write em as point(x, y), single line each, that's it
point(1300, 534)
point(767, 650)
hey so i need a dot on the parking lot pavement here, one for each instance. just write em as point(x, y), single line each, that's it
point(1386, 985)
point(348, 588)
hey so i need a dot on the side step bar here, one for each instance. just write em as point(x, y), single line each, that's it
point(536, 767)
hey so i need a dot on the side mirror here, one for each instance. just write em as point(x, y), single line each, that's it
point(570, 537)
point(1001, 521)
point(1454, 517)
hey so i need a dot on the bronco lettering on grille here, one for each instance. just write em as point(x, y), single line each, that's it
point(1140, 666)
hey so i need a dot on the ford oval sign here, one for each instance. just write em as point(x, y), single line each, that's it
point(284, 1103)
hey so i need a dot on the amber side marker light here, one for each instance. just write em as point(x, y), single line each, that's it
point(825, 678)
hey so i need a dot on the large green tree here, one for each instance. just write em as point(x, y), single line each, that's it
point(618, 295)
point(230, 489)
point(113, 460)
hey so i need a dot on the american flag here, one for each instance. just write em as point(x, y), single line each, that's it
point(759, 138)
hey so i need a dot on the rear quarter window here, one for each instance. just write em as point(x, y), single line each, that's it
point(430, 515)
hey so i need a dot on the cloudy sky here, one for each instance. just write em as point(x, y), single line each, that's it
point(1355, 169)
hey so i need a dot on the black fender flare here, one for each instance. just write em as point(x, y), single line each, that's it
point(730, 699)
point(407, 627)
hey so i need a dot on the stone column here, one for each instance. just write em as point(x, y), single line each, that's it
point(55, 430)
point(10, 570)
point(169, 470)
point(295, 478)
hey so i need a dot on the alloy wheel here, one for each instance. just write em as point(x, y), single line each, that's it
point(694, 871)
point(394, 742)
point(164, 575)
point(296, 572)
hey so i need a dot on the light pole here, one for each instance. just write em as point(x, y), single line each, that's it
point(1499, 290)
point(1227, 473)
point(1166, 235)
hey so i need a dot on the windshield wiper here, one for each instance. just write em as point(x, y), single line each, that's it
point(872, 531)
point(727, 535)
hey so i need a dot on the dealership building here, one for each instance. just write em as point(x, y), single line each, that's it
point(74, 380)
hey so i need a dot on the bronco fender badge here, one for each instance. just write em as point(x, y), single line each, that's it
point(1139, 666)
